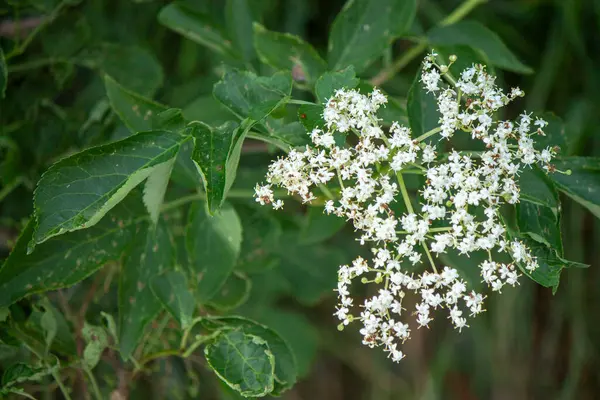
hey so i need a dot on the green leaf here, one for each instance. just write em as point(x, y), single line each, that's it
point(251, 96)
point(243, 361)
point(208, 110)
point(21, 372)
point(537, 187)
point(232, 294)
point(261, 235)
point(132, 66)
point(49, 325)
point(65, 260)
point(76, 192)
point(329, 82)
point(213, 244)
point(319, 226)
point(288, 52)
point(583, 185)
point(3, 74)
point(197, 27)
point(540, 223)
point(285, 363)
point(135, 111)
point(477, 36)
point(238, 19)
point(172, 289)
point(151, 253)
point(421, 108)
point(96, 341)
point(216, 155)
point(155, 188)
point(364, 28)
point(311, 116)
point(111, 326)
point(555, 134)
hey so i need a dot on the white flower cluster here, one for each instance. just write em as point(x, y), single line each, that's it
point(460, 199)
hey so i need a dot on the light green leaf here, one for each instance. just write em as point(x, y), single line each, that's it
point(251, 96)
point(49, 325)
point(172, 290)
point(4, 313)
point(3, 74)
point(111, 326)
point(208, 110)
point(477, 36)
point(213, 244)
point(243, 361)
point(135, 111)
point(151, 253)
point(96, 341)
point(216, 155)
point(197, 27)
point(76, 192)
point(238, 19)
point(421, 108)
point(155, 188)
point(537, 187)
point(329, 82)
point(540, 223)
point(311, 116)
point(364, 28)
point(319, 226)
point(288, 52)
point(65, 260)
point(285, 362)
point(232, 294)
point(583, 185)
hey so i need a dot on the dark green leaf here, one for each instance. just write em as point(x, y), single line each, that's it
point(172, 289)
point(540, 223)
point(76, 192)
point(319, 226)
point(243, 361)
point(21, 372)
point(555, 134)
point(135, 111)
point(477, 36)
point(238, 19)
point(364, 28)
point(260, 239)
point(65, 260)
point(151, 253)
point(3, 74)
point(285, 363)
point(96, 341)
point(216, 155)
point(197, 27)
point(232, 294)
point(251, 96)
point(329, 82)
point(537, 187)
point(422, 109)
point(288, 52)
point(583, 185)
point(213, 244)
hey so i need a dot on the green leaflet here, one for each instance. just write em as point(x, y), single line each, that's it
point(213, 244)
point(76, 192)
point(288, 52)
point(537, 187)
point(216, 155)
point(540, 223)
point(285, 362)
point(243, 361)
point(479, 37)
point(65, 260)
point(21, 372)
point(155, 188)
point(3, 74)
point(234, 292)
point(329, 82)
point(96, 341)
point(251, 96)
point(421, 108)
point(363, 29)
point(172, 290)
point(151, 253)
point(583, 185)
point(197, 27)
point(261, 235)
point(135, 111)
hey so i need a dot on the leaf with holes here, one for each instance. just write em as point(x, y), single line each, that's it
point(243, 361)
point(364, 28)
point(172, 290)
point(76, 192)
point(213, 244)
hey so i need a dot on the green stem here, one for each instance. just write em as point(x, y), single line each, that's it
point(404, 192)
point(94, 383)
point(295, 101)
point(428, 133)
point(62, 387)
point(400, 63)
point(461, 11)
point(429, 256)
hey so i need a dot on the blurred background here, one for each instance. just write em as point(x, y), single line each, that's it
point(529, 344)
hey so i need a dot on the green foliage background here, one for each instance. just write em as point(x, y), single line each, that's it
point(84, 73)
